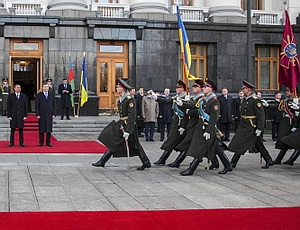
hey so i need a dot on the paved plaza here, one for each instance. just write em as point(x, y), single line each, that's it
point(68, 182)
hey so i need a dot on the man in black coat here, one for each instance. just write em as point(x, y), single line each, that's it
point(165, 115)
point(17, 107)
point(276, 115)
point(139, 116)
point(45, 111)
point(236, 110)
point(65, 91)
point(226, 113)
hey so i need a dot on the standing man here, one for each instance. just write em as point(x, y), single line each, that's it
point(237, 112)
point(139, 116)
point(150, 114)
point(250, 128)
point(204, 139)
point(4, 92)
point(165, 115)
point(113, 137)
point(275, 115)
point(51, 86)
point(226, 113)
point(17, 106)
point(65, 90)
point(45, 111)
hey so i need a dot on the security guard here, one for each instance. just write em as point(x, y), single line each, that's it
point(113, 137)
point(5, 90)
point(250, 128)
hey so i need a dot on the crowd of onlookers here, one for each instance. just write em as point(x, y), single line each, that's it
point(152, 115)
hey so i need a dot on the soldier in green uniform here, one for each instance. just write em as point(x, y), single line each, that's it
point(176, 134)
point(204, 138)
point(189, 122)
point(113, 137)
point(5, 90)
point(250, 128)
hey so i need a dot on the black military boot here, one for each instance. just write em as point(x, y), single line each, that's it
point(104, 159)
point(268, 159)
point(235, 160)
point(292, 158)
point(163, 158)
point(214, 164)
point(180, 158)
point(190, 170)
point(225, 161)
point(280, 156)
point(145, 160)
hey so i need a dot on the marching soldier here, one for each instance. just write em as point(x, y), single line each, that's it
point(189, 122)
point(250, 128)
point(176, 132)
point(5, 90)
point(204, 138)
point(286, 126)
point(113, 137)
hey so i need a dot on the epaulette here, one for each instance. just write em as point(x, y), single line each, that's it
point(255, 97)
point(129, 97)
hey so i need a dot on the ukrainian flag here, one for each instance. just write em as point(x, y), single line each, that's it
point(83, 83)
point(185, 49)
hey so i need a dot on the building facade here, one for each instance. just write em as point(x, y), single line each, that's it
point(138, 40)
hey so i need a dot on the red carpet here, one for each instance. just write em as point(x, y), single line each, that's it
point(31, 123)
point(210, 219)
point(31, 141)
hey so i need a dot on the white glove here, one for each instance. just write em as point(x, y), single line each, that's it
point(154, 96)
point(258, 132)
point(125, 135)
point(187, 97)
point(297, 113)
point(187, 111)
point(265, 103)
point(294, 106)
point(293, 129)
point(181, 131)
point(206, 135)
point(179, 102)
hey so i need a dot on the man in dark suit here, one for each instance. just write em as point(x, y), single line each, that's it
point(226, 113)
point(45, 111)
point(139, 116)
point(65, 91)
point(236, 109)
point(165, 115)
point(276, 115)
point(17, 107)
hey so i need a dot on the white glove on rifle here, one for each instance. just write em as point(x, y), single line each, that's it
point(181, 131)
point(258, 132)
point(125, 135)
point(206, 135)
point(179, 102)
point(293, 129)
point(265, 103)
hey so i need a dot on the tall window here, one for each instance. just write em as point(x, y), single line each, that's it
point(255, 5)
point(199, 61)
point(267, 65)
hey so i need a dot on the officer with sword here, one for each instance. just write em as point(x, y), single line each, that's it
point(120, 137)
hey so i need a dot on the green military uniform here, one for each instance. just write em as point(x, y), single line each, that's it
point(4, 92)
point(189, 121)
point(209, 111)
point(112, 135)
point(174, 137)
point(252, 119)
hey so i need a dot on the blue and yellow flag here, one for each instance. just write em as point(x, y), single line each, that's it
point(83, 83)
point(185, 49)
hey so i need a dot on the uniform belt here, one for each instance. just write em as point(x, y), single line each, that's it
point(250, 119)
point(123, 118)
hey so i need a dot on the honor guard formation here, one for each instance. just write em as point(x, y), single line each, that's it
point(195, 126)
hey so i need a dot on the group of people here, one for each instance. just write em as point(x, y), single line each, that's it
point(194, 129)
point(15, 107)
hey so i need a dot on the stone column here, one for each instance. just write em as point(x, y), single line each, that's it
point(226, 11)
point(146, 6)
point(68, 5)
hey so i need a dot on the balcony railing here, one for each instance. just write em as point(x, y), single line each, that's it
point(111, 10)
point(268, 17)
point(191, 13)
point(26, 8)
